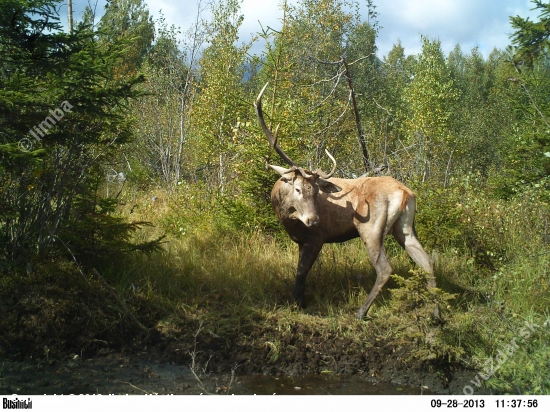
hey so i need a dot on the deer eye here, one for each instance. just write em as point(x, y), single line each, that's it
point(298, 190)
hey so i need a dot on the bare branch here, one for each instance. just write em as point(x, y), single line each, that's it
point(361, 58)
point(336, 120)
point(360, 133)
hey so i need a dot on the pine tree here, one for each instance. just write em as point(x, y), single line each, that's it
point(63, 117)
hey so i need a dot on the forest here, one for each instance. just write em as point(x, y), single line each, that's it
point(135, 202)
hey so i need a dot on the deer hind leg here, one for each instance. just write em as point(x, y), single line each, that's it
point(404, 233)
point(307, 256)
point(374, 243)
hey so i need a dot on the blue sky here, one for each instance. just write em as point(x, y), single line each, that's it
point(482, 23)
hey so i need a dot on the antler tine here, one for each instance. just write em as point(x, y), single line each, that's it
point(270, 137)
point(324, 175)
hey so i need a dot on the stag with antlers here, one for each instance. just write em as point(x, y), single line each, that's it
point(316, 208)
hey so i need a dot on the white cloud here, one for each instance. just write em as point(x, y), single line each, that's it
point(484, 23)
point(182, 14)
point(169, 8)
point(266, 12)
point(421, 14)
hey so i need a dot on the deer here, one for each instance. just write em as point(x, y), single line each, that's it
point(316, 208)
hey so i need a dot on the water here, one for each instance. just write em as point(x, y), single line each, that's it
point(324, 384)
point(118, 375)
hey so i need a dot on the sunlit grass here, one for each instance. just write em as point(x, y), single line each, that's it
point(238, 282)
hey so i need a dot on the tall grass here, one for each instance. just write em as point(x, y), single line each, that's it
point(240, 281)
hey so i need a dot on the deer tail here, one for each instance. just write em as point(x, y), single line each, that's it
point(407, 194)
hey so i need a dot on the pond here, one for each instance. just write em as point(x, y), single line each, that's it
point(122, 375)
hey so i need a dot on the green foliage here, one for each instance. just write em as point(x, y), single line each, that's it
point(431, 94)
point(459, 217)
point(465, 218)
point(157, 155)
point(481, 116)
point(531, 37)
point(431, 98)
point(527, 166)
point(62, 115)
point(415, 299)
point(128, 21)
point(95, 235)
point(527, 372)
point(414, 295)
point(313, 113)
point(440, 221)
point(251, 208)
point(194, 209)
point(222, 100)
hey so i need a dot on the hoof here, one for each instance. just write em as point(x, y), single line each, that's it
point(363, 316)
point(299, 302)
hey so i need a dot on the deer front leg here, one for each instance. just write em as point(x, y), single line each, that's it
point(308, 253)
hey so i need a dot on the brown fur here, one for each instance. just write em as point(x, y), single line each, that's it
point(316, 209)
point(368, 207)
point(405, 199)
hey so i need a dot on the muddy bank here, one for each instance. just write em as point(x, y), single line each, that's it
point(303, 352)
point(58, 339)
point(142, 374)
point(318, 368)
point(315, 362)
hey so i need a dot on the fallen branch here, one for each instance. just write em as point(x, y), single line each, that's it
point(193, 365)
point(135, 387)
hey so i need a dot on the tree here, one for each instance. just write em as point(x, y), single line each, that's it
point(431, 97)
point(311, 99)
point(532, 38)
point(481, 118)
point(172, 76)
point(221, 102)
point(62, 115)
point(529, 160)
point(396, 73)
point(128, 20)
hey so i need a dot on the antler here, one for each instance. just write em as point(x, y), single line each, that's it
point(270, 136)
point(324, 175)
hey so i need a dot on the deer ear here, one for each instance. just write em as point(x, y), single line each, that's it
point(328, 187)
point(281, 170)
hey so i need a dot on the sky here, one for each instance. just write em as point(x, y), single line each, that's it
point(469, 23)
